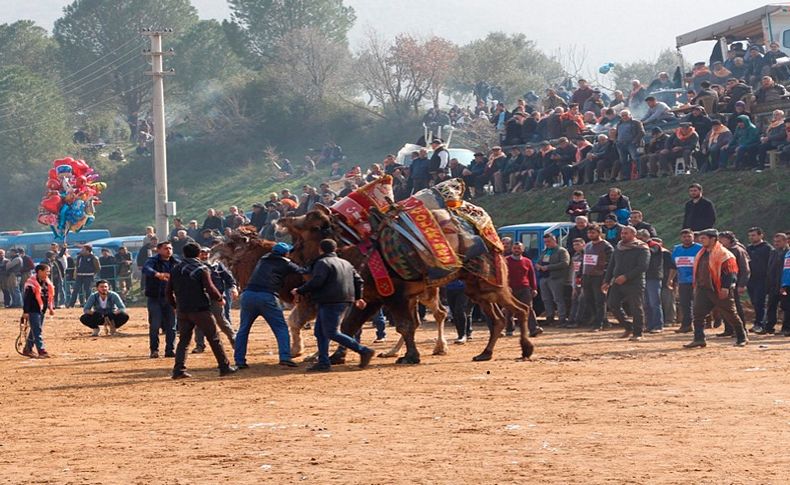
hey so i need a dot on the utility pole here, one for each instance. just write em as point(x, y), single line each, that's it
point(162, 207)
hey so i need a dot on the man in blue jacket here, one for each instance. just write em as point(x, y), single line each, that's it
point(156, 272)
point(683, 256)
point(334, 285)
point(102, 304)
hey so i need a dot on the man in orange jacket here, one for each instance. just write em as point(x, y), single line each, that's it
point(715, 275)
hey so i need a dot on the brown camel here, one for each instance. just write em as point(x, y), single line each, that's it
point(244, 248)
point(308, 230)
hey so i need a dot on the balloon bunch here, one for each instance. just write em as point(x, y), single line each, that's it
point(72, 193)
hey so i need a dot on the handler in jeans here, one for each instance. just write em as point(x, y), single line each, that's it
point(259, 299)
point(334, 285)
point(102, 304)
point(156, 272)
point(625, 281)
point(553, 270)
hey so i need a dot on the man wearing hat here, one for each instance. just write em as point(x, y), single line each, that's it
point(439, 162)
point(715, 275)
point(700, 121)
point(260, 299)
point(682, 143)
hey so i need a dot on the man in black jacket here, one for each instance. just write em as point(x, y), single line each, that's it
point(774, 284)
point(700, 214)
point(625, 281)
point(759, 253)
point(260, 299)
point(87, 265)
point(190, 291)
point(334, 285)
point(611, 202)
point(156, 272)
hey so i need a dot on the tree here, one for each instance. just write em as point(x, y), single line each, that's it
point(312, 65)
point(26, 44)
point(256, 27)
point(31, 135)
point(101, 42)
point(204, 57)
point(401, 74)
point(510, 62)
point(645, 70)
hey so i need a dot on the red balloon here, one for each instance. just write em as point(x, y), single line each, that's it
point(80, 181)
point(53, 174)
point(54, 184)
point(79, 167)
point(51, 203)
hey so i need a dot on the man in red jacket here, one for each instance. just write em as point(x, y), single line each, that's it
point(523, 284)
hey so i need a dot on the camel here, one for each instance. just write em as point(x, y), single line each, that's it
point(320, 223)
point(244, 248)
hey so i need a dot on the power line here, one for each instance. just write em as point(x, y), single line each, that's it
point(67, 89)
point(45, 99)
point(84, 108)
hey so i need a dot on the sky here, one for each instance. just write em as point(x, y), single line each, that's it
point(616, 31)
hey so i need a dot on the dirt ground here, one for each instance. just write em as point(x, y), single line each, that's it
point(588, 408)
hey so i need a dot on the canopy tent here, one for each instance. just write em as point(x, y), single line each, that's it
point(747, 25)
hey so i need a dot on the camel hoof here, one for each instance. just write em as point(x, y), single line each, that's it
point(527, 349)
point(406, 360)
point(482, 357)
point(385, 355)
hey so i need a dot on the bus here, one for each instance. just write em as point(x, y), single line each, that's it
point(36, 244)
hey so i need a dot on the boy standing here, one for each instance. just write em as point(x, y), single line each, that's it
point(39, 297)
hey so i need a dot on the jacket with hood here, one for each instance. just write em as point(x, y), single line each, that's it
point(630, 260)
point(748, 135)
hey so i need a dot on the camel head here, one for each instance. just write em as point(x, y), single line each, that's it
point(307, 231)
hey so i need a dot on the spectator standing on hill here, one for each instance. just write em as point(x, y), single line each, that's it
point(612, 201)
point(699, 212)
point(577, 206)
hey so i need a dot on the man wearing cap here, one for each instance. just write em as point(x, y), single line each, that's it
point(439, 162)
point(700, 121)
point(260, 299)
point(682, 143)
point(715, 274)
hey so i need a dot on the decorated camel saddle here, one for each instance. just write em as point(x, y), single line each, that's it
point(429, 236)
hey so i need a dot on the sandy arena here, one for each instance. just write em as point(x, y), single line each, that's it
point(588, 408)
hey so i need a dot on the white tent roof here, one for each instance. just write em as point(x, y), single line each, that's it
point(736, 28)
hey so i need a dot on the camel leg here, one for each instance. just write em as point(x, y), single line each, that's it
point(522, 311)
point(393, 352)
point(493, 312)
point(439, 314)
point(296, 322)
point(407, 320)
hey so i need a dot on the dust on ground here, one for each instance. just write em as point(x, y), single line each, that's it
point(589, 408)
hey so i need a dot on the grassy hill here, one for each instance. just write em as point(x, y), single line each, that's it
point(742, 200)
point(203, 174)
